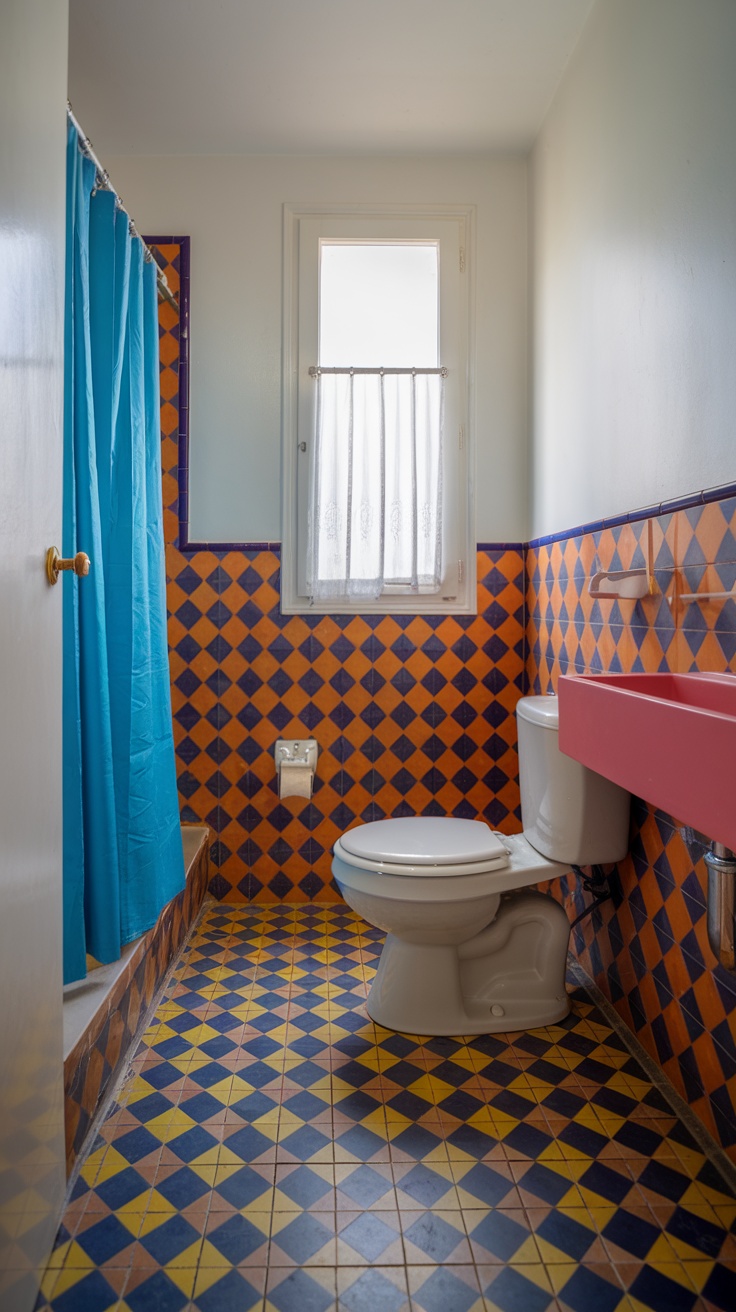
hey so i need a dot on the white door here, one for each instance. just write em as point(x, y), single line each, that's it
point(33, 57)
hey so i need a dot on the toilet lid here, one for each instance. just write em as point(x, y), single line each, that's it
point(425, 841)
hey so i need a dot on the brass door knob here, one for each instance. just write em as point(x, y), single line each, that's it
point(79, 564)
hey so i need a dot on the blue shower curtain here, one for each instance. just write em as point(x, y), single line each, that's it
point(123, 856)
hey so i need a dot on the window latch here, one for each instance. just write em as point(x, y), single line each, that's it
point(302, 446)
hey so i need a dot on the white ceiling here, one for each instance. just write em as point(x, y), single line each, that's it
point(158, 77)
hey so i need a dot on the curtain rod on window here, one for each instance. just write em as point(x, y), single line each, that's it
point(315, 370)
point(104, 184)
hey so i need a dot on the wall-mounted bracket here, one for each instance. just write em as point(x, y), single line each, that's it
point(624, 584)
point(297, 751)
point(627, 584)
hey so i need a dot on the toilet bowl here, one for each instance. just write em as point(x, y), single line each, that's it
point(470, 947)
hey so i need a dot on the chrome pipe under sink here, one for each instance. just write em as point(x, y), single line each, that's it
point(721, 863)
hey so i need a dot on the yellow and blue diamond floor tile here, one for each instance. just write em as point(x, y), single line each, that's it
point(274, 1149)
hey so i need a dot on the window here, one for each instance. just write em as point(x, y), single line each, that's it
point(377, 502)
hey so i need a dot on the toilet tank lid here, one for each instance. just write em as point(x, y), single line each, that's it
point(424, 840)
point(540, 710)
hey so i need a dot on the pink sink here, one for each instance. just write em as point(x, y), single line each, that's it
point(668, 738)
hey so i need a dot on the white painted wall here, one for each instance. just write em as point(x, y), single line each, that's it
point(33, 40)
point(634, 264)
point(231, 206)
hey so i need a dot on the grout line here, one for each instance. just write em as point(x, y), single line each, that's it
point(656, 1076)
point(279, 926)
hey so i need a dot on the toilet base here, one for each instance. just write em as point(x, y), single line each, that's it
point(510, 976)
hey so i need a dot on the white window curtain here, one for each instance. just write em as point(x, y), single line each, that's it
point(375, 514)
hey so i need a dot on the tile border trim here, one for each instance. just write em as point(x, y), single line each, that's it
point(184, 244)
point(188, 547)
point(720, 493)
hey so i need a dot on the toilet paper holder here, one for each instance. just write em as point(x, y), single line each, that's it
point(296, 751)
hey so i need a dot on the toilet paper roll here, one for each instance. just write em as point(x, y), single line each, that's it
point(295, 779)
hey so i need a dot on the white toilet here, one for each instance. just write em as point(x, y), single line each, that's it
point(466, 952)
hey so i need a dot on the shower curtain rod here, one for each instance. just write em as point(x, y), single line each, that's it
point(104, 184)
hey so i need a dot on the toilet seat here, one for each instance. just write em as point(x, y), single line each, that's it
point(424, 846)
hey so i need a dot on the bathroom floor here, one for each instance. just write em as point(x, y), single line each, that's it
point(274, 1149)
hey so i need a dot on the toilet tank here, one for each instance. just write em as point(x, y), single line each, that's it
point(569, 813)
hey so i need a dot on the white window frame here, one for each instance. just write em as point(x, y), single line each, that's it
point(454, 227)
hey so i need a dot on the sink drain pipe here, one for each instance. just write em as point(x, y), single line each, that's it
point(721, 863)
point(721, 901)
